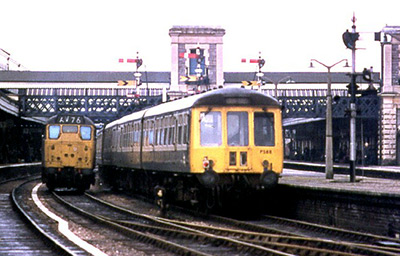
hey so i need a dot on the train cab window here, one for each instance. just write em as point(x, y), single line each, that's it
point(238, 128)
point(210, 128)
point(86, 132)
point(264, 134)
point(54, 131)
point(70, 129)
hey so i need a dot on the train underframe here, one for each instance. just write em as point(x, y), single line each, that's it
point(173, 187)
point(68, 177)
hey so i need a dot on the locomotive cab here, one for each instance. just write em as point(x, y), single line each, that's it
point(68, 152)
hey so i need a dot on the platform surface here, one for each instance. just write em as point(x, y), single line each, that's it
point(364, 185)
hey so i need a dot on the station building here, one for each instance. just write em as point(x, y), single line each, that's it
point(389, 130)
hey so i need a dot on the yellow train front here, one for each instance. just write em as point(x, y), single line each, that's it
point(68, 152)
point(223, 143)
point(237, 142)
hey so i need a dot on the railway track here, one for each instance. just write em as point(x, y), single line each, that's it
point(16, 236)
point(172, 237)
point(113, 228)
point(332, 238)
point(21, 197)
point(199, 239)
point(333, 232)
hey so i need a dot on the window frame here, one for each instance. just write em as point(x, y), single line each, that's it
point(49, 132)
point(215, 132)
point(242, 134)
point(268, 143)
point(81, 134)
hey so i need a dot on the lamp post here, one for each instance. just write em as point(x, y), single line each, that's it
point(328, 130)
point(289, 81)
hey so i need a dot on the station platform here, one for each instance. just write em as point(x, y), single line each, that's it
point(365, 184)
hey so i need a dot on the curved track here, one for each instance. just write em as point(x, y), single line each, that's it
point(23, 201)
point(16, 237)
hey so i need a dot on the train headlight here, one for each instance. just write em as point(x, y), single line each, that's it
point(265, 164)
point(206, 163)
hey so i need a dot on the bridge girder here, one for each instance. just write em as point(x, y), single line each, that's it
point(101, 109)
point(315, 107)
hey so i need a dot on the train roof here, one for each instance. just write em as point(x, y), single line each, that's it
point(219, 97)
point(69, 119)
point(124, 119)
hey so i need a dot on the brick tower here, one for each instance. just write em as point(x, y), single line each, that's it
point(390, 97)
point(197, 58)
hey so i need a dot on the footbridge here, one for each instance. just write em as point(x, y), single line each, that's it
point(39, 95)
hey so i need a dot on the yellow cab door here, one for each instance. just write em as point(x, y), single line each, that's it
point(207, 139)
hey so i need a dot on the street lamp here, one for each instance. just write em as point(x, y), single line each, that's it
point(289, 81)
point(328, 131)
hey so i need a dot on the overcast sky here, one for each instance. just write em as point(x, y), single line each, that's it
point(86, 35)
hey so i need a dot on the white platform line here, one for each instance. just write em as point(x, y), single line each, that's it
point(63, 226)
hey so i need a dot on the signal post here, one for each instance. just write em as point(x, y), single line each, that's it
point(349, 39)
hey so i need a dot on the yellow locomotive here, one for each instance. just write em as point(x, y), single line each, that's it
point(222, 140)
point(68, 152)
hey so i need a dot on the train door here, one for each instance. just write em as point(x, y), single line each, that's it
point(239, 151)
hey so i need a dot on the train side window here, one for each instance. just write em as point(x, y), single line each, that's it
point(171, 135)
point(165, 131)
point(180, 134)
point(264, 134)
point(156, 136)
point(123, 136)
point(86, 132)
point(54, 131)
point(135, 134)
point(151, 133)
point(158, 131)
point(185, 129)
point(185, 134)
point(179, 130)
point(131, 135)
point(165, 136)
point(210, 128)
point(175, 130)
point(161, 136)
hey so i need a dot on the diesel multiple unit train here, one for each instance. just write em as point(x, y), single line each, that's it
point(219, 142)
point(68, 152)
